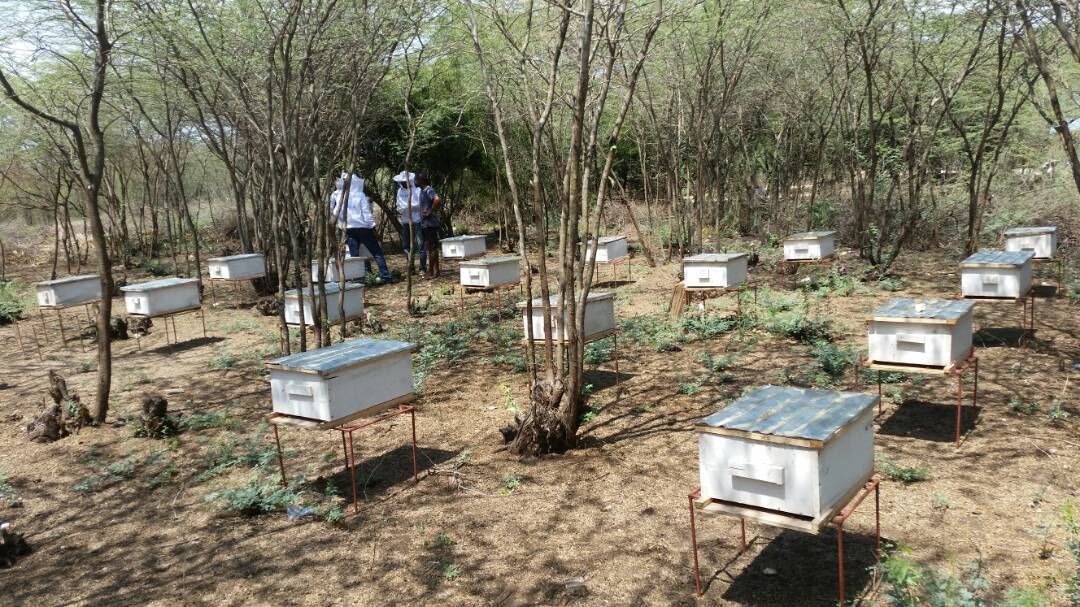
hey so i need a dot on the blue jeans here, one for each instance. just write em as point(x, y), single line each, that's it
point(354, 237)
point(418, 238)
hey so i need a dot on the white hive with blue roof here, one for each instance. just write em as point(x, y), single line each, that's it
point(1040, 240)
point(809, 246)
point(343, 380)
point(302, 301)
point(465, 246)
point(997, 274)
point(490, 272)
point(355, 267)
point(245, 266)
point(69, 291)
point(715, 270)
point(796, 451)
point(161, 297)
point(921, 332)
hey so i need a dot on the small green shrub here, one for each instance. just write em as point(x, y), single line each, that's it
point(908, 584)
point(509, 401)
point(690, 387)
point(258, 496)
point(715, 363)
point(834, 360)
point(511, 482)
point(13, 303)
point(516, 362)
point(205, 421)
point(1023, 407)
point(599, 351)
point(155, 267)
point(1070, 515)
point(797, 326)
point(441, 540)
point(905, 474)
point(890, 284)
point(7, 492)
point(223, 360)
point(451, 572)
point(1056, 414)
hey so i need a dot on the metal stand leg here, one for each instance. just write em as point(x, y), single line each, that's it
point(975, 388)
point(350, 466)
point(412, 415)
point(693, 542)
point(60, 321)
point(877, 532)
point(615, 339)
point(879, 391)
point(202, 316)
point(959, 402)
point(840, 559)
point(742, 535)
point(213, 291)
point(44, 328)
point(18, 335)
point(280, 456)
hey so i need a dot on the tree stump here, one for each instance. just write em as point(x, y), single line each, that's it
point(12, 545)
point(268, 306)
point(155, 420)
point(66, 416)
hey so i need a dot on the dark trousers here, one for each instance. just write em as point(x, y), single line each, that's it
point(431, 243)
point(417, 239)
point(354, 237)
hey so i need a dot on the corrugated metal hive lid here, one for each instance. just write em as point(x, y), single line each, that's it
point(490, 261)
point(998, 258)
point(1030, 230)
point(713, 257)
point(462, 237)
point(610, 239)
point(797, 413)
point(554, 299)
point(67, 279)
point(234, 257)
point(811, 235)
point(158, 284)
point(927, 309)
point(339, 356)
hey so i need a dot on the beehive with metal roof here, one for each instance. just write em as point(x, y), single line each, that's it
point(341, 380)
point(714, 270)
point(809, 246)
point(923, 333)
point(798, 451)
point(161, 297)
point(996, 274)
point(1041, 240)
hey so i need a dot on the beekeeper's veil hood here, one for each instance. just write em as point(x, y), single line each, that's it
point(403, 177)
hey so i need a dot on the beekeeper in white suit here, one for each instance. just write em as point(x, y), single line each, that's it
point(409, 237)
point(358, 220)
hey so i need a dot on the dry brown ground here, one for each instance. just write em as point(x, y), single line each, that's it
point(613, 512)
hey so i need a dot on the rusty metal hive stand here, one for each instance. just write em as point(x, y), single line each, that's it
point(335, 358)
point(946, 311)
point(790, 416)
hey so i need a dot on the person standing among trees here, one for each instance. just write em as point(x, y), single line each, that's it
point(358, 220)
point(411, 228)
point(430, 201)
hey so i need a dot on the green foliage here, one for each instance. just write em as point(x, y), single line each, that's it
point(834, 360)
point(223, 360)
point(690, 387)
point(7, 492)
point(708, 327)
point(451, 572)
point(715, 364)
point(797, 326)
point(441, 540)
point(157, 468)
point(509, 401)
point(906, 474)
point(599, 351)
point(166, 429)
point(258, 495)
point(13, 303)
point(242, 325)
point(1056, 414)
point(1023, 407)
point(890, 284)
point(511, 482)
point(835, 282)
point(516, 362)
point(1070, 516)
point(155, 267)
point(252, 452)
point(205, 421)
point(652, 331)
point(909, 584)
point(939, 502)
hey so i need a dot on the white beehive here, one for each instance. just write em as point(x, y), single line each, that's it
point(715, 270)
point(806, 246)
point(237, 267)
point(69, 291)
point(934, 333)
point(161, 297)
point(463, 247)
point(355, 269)
point(797, 451)
point(599, 316)
point(996, 274)
point(491, 271)
point(607, 248)
point(341, 380)
point(354, 303)
point(1042, 241)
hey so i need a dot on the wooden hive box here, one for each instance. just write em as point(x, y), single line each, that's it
point(161, 297)
point(1043, 241)
point(491, 271)
point(996, 274)
point(809, 246)
point(715, 270)
point(930, 333)
point(69, 291)
point(796, 451)
point(341, 380)
point(607, 249)
point(354, 303)
point(237, 267)
point(354, 269)
point(463, 247)
point(599, 317)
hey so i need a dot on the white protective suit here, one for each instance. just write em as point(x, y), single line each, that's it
point(357, 213)
point(405, 183)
